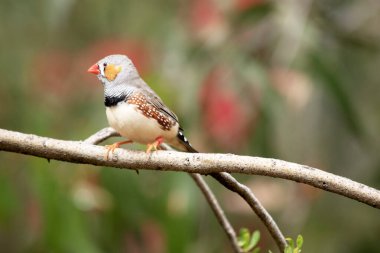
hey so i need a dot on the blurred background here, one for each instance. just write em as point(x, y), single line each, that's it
point(294, 80)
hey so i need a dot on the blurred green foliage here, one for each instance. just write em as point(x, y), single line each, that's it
point(295, 80)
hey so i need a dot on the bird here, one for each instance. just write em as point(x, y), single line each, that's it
point(134, 110)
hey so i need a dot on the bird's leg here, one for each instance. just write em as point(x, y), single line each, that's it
point(155, 145)
point(111, 148)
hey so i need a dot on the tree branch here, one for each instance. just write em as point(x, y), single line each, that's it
point(108, 132)
point(230, 183)
point(80, 152)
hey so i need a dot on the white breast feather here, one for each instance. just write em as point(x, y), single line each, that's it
point(133, 125)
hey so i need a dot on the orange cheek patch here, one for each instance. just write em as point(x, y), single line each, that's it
point(112, 71)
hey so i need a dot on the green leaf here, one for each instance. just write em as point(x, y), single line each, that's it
point(299, 241)
point(243, 239)
point(288, 250)
point(290, 242)
point(254, 240)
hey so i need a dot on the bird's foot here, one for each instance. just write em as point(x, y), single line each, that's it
point(111, 148)
point(155, 145)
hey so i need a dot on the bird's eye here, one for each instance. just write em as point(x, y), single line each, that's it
point(102, 70)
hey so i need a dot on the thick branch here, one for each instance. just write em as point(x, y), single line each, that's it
point(80, 152)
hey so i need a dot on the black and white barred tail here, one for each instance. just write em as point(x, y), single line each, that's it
point(183, 140)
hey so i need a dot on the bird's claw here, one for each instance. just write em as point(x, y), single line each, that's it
point(111, 148)
point(155, 145)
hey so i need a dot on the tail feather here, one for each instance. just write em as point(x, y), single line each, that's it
point(185, 143)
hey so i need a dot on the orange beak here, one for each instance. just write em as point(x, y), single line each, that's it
point(94, 69)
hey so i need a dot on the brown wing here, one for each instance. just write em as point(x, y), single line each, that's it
point(153, 99)
point(157, 102)
point(152, 107)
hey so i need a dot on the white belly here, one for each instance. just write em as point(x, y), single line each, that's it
point(134, 126)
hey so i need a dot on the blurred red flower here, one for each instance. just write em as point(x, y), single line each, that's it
point(225, 118)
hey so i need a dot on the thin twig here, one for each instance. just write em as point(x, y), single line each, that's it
point(108, 132)
point(217, 209)
point(80, 152)
point(231, 183)
point(101, 135)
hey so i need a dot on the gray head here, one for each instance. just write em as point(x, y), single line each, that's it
point(114, 69)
